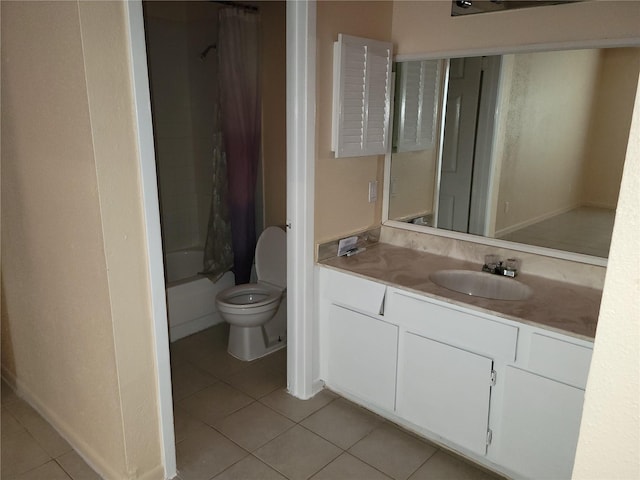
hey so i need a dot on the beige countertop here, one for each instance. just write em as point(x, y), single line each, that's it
point(562, 307)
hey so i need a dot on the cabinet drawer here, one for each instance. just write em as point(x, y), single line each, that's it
point(354, 292)
point(452, 326)
point(559, 360)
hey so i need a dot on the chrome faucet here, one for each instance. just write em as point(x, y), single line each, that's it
point(493, 264)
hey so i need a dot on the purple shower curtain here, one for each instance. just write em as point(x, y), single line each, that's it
point(241, 124)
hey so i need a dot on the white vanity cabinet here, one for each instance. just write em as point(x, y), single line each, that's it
point(505, 393)
point(360, 349)
point(542, 406)
point(446, 367)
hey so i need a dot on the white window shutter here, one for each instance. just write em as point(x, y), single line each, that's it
point(361, 96)
point(417, 103)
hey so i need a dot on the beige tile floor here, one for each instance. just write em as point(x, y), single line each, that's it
point(234, 420)
point(32, 449)
point(582, 230)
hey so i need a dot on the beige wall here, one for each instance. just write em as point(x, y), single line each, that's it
point(174, 80)
point(609, 130)
point(75, 211)
point(609, 443)
point(413, 177)
point(427, 27)
point(543, 133)
point(342, 184)
point(274, 111)
point(422, 27)
point(201, 31)
point(184, 90)
point(76, 323)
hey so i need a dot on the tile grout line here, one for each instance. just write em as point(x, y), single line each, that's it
point(437, 449)
point(261, 399)
point(64, 469)
point(28, 432)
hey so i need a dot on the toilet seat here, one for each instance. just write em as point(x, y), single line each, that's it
point(271, 257)
point(249, 297)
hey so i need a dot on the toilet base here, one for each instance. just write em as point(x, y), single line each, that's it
point(251, 343)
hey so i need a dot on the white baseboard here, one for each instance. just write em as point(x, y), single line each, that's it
point(316, 387)
point(607, 206)
point(86, 452)
point(507, 230)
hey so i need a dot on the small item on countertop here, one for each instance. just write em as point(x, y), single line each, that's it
point(354, 251)
point(347, 244)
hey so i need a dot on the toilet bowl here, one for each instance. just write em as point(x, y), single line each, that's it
point(256, 312)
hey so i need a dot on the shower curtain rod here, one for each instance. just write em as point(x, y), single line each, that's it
point(243, 6)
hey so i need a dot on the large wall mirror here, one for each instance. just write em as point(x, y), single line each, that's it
point(525, 147)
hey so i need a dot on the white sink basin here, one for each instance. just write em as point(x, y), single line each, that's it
point(481, 284)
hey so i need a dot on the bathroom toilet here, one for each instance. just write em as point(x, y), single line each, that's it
point(256, 312)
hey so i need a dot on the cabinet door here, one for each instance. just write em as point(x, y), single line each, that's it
point(362, 356)
point(445, 390)
point(539, 426)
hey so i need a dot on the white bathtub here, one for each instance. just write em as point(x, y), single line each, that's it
point(191, 298)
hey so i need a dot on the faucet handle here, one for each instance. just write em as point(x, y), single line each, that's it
point(511, 267)
point(492, 259)
point(491, 263)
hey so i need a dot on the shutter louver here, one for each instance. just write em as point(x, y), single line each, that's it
point(361, 96)
point(418, 100)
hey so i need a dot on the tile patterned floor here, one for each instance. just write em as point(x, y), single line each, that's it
point(582, 230)
point(32, 449)
point(234, 420)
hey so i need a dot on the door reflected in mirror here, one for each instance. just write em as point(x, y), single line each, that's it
point(525, 147)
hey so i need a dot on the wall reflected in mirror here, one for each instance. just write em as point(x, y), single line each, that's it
point(471, 7)
point(525, 147)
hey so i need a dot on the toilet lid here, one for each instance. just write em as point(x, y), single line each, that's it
point(271, 257)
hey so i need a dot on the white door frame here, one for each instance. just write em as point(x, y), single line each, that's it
point(301, 91)
point(149, 185)
point(482, 183)
point(301, 75)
